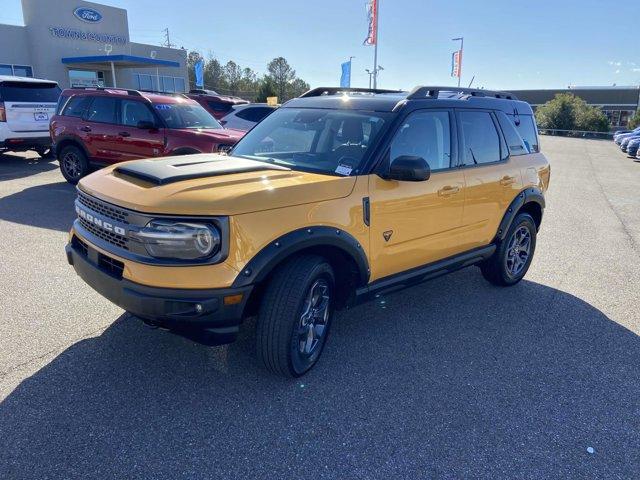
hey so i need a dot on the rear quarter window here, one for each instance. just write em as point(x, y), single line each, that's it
point(528, 131)
point(515, 143)
point(29, 92)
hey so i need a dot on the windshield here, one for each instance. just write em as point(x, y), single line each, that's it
point(186, 115)
point(317, 140)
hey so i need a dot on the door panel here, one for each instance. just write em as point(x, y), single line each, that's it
point(99, 130)
point(422, 221)
point(134, 142)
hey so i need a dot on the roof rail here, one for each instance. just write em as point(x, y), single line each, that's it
point(419, 93)
point(319, 91)
point(170, 94)
point(129, 91)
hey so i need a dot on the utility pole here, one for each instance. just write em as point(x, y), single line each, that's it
point(167, 41)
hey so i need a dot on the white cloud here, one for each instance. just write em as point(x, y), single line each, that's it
point(614, 63)
point(635, 69)
point(617, 71)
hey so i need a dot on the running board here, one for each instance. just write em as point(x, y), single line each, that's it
point(421, 274)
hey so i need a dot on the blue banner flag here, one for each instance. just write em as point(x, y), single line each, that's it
point(199, 68)
point(345, 78)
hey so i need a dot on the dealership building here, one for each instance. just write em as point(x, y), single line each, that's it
point(78, 43)
point(618, 103)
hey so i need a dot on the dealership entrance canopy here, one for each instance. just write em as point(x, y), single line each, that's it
point(83, 44)
point(101, 62)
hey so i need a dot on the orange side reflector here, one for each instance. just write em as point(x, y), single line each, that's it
point(233, 299)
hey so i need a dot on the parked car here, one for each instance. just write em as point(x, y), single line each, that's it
point(632, 146)
point(26, 106)
point(356, 197)
point(619, 138)
point(102, 126)
point(625, 141)
point(214, 103)
point(244, 117)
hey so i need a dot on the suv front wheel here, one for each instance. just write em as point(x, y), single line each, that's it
point(513, 255)
point(295, 316)
point(73, 164)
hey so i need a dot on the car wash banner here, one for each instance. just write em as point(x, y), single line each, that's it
point(456, 64)
point(372, 18)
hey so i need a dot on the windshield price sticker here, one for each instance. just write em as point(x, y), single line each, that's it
point(344, 170)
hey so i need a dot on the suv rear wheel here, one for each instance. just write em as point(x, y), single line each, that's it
point(513, 256)
point(295, 316)
point(73, 164)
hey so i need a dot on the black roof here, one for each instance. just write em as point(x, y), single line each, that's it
point(421, 97)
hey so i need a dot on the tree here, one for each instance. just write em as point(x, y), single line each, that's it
point(214, 75)
point(634, 121)
point(192, 58)
point(568, 112)
point(233, 76)
point(297, 88)
point(266, 88)
point(281, 74)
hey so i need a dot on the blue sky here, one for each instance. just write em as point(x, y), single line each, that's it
point(508, 44)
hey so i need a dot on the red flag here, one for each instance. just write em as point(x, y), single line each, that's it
point(372, 17)
point(456, 64)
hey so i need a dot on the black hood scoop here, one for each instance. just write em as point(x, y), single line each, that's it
point(176, 169)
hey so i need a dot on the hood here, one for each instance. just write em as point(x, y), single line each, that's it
point(215, 134)
point(210, 184)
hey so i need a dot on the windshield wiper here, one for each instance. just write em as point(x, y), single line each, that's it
point(473, 156)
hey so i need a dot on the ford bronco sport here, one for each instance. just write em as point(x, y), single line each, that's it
point(339, 195)
point(102, 126)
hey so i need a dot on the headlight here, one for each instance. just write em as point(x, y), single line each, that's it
point(185, 241)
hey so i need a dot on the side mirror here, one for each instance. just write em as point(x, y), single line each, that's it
point(146, 125)
point(408, 168)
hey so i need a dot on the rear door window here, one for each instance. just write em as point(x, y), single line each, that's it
point(29, 92)
point(76, 106)
point(102, 110)
point(481, 142)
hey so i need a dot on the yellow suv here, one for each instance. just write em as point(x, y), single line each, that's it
point(338, 195)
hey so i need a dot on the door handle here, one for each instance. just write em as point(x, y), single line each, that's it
point(124, 134)
point(507, 180)
point(448, 190)
point(85, 129)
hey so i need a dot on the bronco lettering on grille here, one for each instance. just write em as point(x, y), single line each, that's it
point(99, 222)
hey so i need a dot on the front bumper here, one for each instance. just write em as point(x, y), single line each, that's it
point(201, 315)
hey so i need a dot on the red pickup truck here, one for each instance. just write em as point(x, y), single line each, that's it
point(102, 126)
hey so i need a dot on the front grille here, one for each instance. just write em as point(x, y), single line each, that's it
point(109, 211)
point(112, 238)
point(79, 246)
point(111, 266)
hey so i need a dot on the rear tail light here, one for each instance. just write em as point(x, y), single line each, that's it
point(3, 113)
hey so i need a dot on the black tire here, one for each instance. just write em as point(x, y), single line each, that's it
point(287, 297)
point(500, 268)
point(73, 164)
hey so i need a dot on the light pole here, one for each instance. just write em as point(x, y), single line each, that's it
point(461, 40)
point(370, 73)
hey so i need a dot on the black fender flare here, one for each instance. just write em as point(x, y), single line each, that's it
point(75, 141)
point(528, 195)
point(259, 267)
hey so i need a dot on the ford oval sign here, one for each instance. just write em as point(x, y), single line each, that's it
point(87, 14)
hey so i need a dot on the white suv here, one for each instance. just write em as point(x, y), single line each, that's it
point(26, 105)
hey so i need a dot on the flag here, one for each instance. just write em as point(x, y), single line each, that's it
point(456, 64)
point(372, 18)
point(199, 71)
point(345, 78)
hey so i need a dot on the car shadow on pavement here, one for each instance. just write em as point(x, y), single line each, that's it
point(46, 206)
point(13, 166)
point(450, 379)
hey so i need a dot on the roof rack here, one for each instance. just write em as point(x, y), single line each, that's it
point(127, 90)
point(419, 93)
point(319, 91)
point(170, 94)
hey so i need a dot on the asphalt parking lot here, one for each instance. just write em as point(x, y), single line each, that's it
point(451, 379)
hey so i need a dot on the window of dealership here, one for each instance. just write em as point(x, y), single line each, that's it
point(82, 44)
